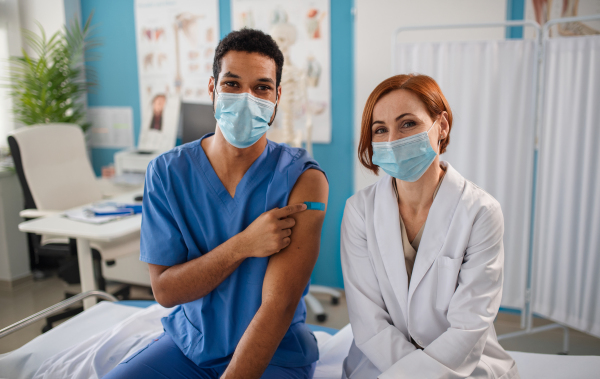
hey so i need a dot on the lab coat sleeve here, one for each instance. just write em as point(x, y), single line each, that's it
point(374, 334)
point(472, 309)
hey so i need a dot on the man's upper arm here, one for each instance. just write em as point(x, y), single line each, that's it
point(161, 241)
point(289, 270)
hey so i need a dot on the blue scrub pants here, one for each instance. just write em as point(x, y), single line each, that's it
point(163, 359)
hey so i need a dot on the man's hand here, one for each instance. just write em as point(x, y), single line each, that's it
point(189, 281)
point(271, 231)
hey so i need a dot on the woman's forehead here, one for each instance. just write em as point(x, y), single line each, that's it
point(398, 102)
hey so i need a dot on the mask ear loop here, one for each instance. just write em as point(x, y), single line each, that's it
point(213, 99)
point(275, 111)
point(439, 141)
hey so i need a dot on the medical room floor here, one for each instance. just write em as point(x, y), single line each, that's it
point(29, 298)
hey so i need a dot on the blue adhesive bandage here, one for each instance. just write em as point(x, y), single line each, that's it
point(314, 206)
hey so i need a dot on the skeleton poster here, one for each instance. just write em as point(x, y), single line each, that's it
point(543, 11)
point(175, 49)
point(302, 30)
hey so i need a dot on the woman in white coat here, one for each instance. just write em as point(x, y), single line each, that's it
point(422, 251)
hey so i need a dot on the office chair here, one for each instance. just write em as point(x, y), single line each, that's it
point(313, 303)
point(53, 168)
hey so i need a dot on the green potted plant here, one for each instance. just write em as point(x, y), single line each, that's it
point(50, 86)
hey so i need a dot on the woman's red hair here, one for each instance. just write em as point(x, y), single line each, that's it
point(426, 89)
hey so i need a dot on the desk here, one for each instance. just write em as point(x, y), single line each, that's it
point(84, 233)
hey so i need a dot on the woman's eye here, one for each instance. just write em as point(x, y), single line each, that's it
point(409, 124)
point(380, 131)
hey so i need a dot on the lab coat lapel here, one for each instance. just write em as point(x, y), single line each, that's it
point(389, 239)
point(437, 225)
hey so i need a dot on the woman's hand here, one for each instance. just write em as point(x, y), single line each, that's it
point(270, 232)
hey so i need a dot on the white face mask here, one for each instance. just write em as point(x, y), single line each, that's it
point(407, 158)
point(243, 118)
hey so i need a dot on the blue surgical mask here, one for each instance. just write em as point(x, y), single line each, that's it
point(243, 118)
point(407, 158)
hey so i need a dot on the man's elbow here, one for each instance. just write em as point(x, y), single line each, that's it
point(162, 296)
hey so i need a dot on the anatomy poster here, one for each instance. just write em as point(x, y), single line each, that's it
point(175, 48)
point(544, 10)
point(304, 25)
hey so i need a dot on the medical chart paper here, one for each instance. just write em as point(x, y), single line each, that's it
point(112, 127)
point(176, 42)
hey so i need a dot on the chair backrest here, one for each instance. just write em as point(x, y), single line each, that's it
point(53, 166)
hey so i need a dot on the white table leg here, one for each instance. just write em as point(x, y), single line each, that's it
point(86, 270)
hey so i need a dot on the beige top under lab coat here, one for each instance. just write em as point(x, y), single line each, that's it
point(411, 248)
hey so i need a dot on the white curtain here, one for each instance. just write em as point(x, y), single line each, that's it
point(489, 86)
point(567, 253)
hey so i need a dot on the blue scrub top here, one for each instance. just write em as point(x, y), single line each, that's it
point(188, 212)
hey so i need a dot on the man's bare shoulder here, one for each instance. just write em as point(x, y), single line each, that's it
point(312, 185)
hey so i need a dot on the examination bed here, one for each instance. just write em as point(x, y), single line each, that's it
point(91, 343)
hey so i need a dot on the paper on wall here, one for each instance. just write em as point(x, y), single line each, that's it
point(175, 48)
point(112, 127)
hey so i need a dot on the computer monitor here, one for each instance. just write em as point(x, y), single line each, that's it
point(198, 120)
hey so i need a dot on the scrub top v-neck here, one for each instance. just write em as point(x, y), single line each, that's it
point(255, 172)
point(188, 212)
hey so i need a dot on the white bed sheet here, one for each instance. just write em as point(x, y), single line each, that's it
point(24, 361)
point(547, 366)
point(91, 343)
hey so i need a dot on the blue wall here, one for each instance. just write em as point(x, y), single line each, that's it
point(116, 69)
point(515, 10)
point(118, 86)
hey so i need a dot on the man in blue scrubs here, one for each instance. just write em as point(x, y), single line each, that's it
point(228, 238)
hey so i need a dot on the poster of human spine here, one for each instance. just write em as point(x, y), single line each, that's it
point(303, 26)
point(175, 48)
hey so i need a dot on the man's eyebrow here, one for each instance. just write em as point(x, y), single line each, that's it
point(229, 74)
point(268, 80)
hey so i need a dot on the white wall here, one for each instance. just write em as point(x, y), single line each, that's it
point(49, 13)
point(375, 20)
point(23, 14)
point(10, 44)
point(14, 255)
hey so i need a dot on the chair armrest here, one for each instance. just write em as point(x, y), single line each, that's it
point(36, 213)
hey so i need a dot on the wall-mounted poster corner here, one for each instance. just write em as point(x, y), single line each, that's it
point(543, 11)
point(175, 48)
point(307, 52)
point(112, 127)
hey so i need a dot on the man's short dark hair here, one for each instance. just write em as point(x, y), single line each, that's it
point(249, 41)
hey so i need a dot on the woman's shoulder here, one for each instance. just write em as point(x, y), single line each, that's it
point(480, 200)
point(481, 208)
point(472, 197)
point(363, 200)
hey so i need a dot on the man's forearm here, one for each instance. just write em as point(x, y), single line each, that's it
point(194, 279)
point(260, 341)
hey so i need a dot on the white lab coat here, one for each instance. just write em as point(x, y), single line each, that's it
point(454, 294)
